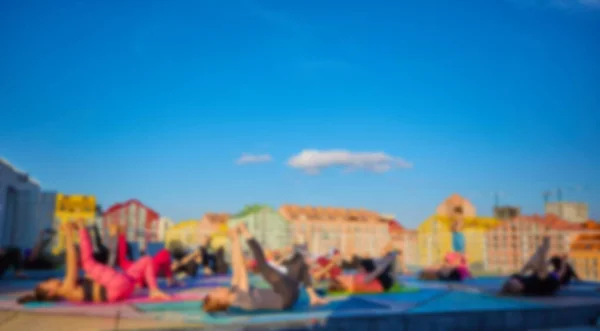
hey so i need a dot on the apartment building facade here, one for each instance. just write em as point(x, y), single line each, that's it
point(585, 256)
point(411, 248)
point(510, 244)
point(164, 223)
point(24, 209)
point(140, 221)
point(183, 235)
point(352, 231)
point(435, 235)
point(405, 241)
point(214, 225)
point(269, 227)
point(574, 212)
point(68, 208)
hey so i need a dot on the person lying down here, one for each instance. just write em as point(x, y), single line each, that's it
point(101, 283)
point(454, 268)
point(374, 276)
point(284, 288)
point(535, 279)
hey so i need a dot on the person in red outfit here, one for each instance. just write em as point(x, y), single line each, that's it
point(161, 261)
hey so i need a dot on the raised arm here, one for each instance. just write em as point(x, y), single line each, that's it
point(238, 265)
point(72, 267)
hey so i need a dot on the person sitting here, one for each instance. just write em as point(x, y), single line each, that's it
point(569, 275)
point(535, 279)
point(374, 276)
point(284, 289)
point(454, 268)
point(101, 284)
point(161, 261)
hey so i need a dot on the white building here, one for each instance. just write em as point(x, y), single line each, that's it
point(24, 209)
point(576, 212)
point(164, 224)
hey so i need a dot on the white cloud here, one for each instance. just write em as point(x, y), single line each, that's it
point(312, 161)
point(247, 158)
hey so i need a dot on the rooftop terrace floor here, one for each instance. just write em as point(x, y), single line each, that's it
point(471, 305)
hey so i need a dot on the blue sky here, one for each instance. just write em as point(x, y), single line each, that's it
point(157, 101)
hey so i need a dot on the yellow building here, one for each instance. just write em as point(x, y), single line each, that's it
point(435, 234)
point(585, 254)
point(184, 232)
point(214, 225)
point(219, 238)
point(70, 208)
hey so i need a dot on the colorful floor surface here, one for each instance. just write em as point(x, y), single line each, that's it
point(473, 296)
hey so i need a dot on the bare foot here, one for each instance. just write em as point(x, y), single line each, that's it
point(158, 295)
point(318, 301)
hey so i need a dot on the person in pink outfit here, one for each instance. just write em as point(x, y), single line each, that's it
point(161, 262)
point(101, 283)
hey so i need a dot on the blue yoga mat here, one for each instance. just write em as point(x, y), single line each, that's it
point(460, 301)
point(195, 307)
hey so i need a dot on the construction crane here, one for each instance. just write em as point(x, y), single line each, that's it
point(497, 196)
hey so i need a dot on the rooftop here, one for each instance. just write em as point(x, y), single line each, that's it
point(19, 171)
point(216, 217)
point(395, 227)
point(119, 205)
point(312, 213)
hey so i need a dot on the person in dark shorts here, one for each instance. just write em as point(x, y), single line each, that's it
point(569, 275)
point(535, 279)
point(282, 294)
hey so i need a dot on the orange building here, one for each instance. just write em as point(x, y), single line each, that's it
point(397, 238)
point(405, 241)
point(411, 247)
point(585, 256)
point(352, 231)
point(509, 245)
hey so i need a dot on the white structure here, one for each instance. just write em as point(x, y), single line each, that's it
point(164, 224)
point(24, 209)
point(576, 212)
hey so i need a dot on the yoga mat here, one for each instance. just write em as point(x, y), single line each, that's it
point(176, 299)
point(460, 301)
point(394, 290)
point(192, 311)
